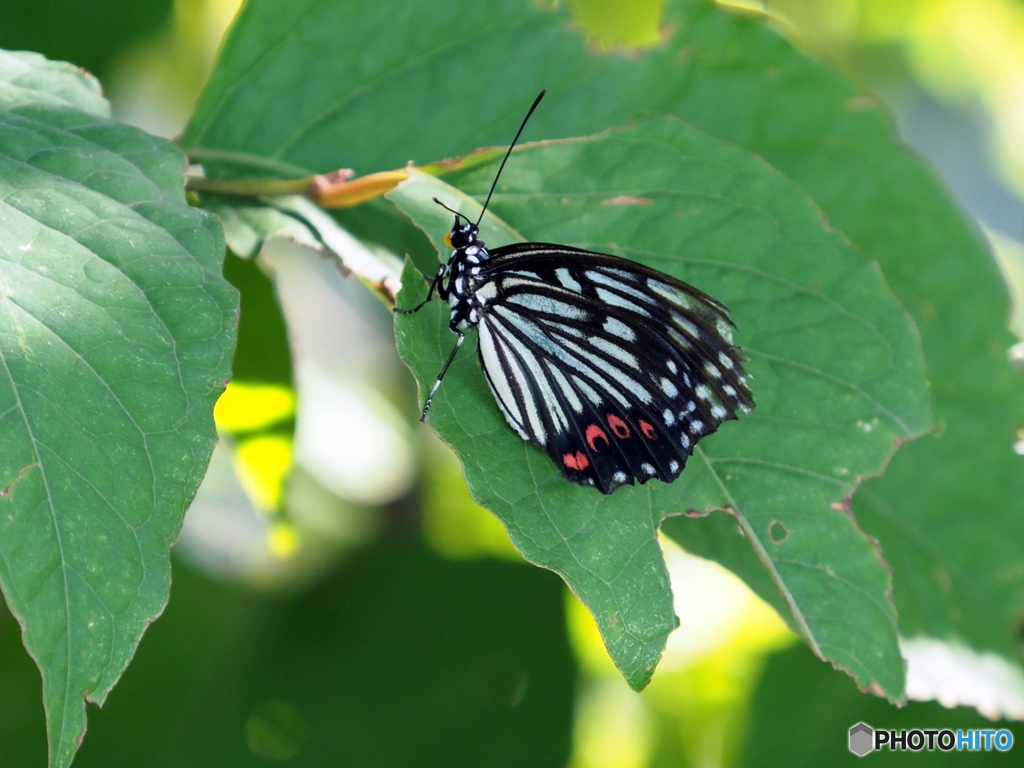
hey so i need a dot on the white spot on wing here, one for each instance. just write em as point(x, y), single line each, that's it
point(628, 276)
point(686, 325)
point(487, 291)
point(650, 470)
point(673, 466)
point(619, 329)
point(567, 280)
point(539, 303)
point(703, 392)
point(725, 360)
point(557, 327)
point(563, 383)
point(669, 293)
point(615, 300)
point(499, 381)
point(550, 400)
point(696, 426)
point(588, 391)
point(718, 412)
point(619, 477)
point(532, 414)
point(614, 350)
point(680, 341)
point(669, 388)
point(668, 417)
point(620, 285)
point(672, 366)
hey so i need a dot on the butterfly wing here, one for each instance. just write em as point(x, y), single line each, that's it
point(616, 370)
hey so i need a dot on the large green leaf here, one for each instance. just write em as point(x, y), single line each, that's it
point(457, 77)
point(116, 330)
point(837, 372)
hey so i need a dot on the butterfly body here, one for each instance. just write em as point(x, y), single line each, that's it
point(463, 281)
point(614, 369)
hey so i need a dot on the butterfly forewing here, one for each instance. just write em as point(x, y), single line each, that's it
point(614, 369)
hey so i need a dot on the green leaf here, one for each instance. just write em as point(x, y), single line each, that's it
point(28, 79)
point(116, 331)
point(835, 364)
point(459, 75)
point(950, 509)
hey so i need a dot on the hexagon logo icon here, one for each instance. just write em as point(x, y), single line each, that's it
point(862, 739)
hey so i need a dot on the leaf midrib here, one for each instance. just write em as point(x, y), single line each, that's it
point(763, 556)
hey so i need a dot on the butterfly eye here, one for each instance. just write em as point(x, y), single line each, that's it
point(461, 236)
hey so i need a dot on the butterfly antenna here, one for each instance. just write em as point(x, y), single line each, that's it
point(450, 210)
point(509, 152)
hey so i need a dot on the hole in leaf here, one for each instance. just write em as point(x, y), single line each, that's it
point(778, 532)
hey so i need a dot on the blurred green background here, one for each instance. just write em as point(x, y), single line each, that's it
point(383, 619)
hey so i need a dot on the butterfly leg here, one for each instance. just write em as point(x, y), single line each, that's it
point(444, 368)
point(434, 285)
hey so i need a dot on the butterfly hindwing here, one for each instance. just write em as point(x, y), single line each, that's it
point(614, 369)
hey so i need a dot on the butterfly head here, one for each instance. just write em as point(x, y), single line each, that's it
point(464, 233)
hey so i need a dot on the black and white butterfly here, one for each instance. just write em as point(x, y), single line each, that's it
point(614, 369)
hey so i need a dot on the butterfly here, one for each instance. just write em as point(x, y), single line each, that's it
point(614, 369)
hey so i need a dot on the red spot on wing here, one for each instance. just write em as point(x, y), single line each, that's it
point(649, 432)
point(575, 460)
point(619, 427)
point(594, 433)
